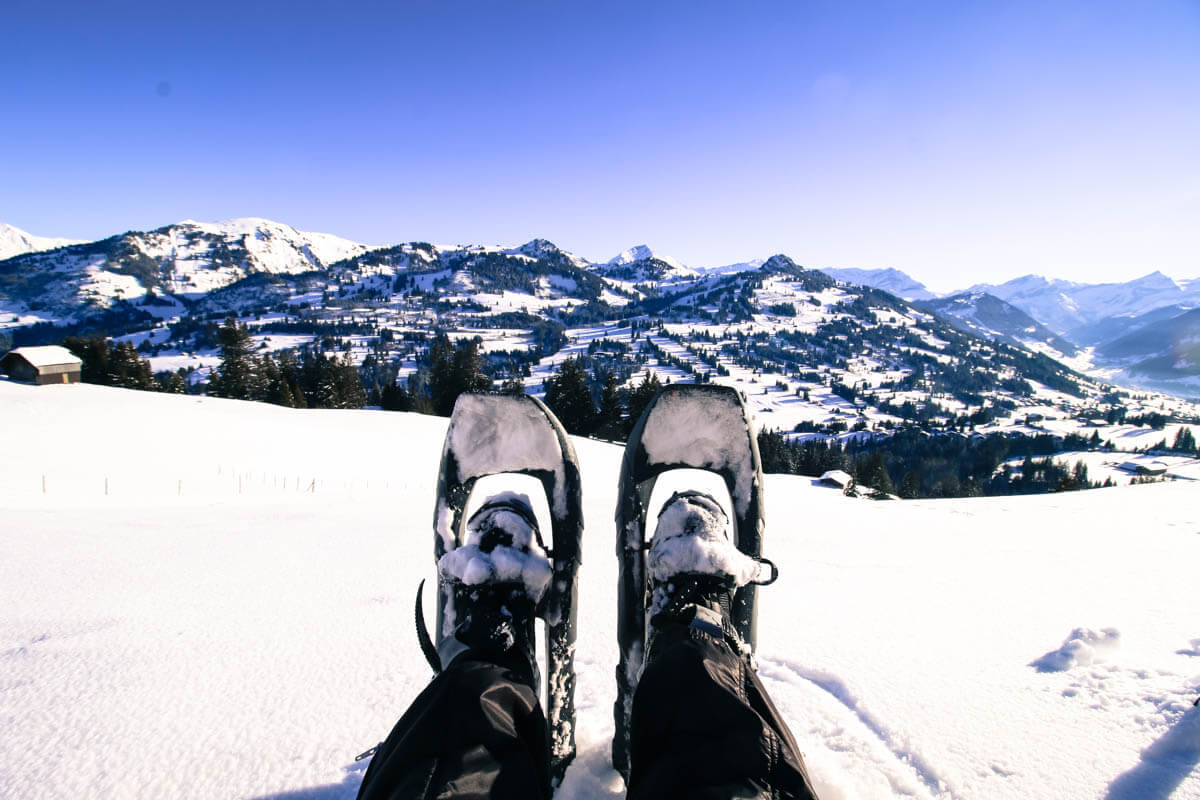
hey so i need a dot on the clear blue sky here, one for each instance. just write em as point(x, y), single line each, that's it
point(958, 141)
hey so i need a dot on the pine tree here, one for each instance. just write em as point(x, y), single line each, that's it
point(454, 370)
point(640, 397)
point(568, 396)
point(608, 418)
point(239, 370)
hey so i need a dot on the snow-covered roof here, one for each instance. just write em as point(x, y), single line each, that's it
point(50, 355)
point(840, 477)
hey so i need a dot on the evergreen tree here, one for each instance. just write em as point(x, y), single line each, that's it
point(239, 376)
point(608, 418)
point(513, 386)
point(570, 398)
point(640, 397)
point(454, 370)
point(395, 398)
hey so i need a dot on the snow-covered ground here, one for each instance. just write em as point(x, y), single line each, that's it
point(212, 599)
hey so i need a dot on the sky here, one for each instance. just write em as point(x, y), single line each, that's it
point(961, 142)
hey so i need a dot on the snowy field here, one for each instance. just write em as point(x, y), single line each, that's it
point(213, 599)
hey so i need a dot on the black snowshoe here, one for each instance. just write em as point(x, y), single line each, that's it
point(691, 570)
point(496, 573)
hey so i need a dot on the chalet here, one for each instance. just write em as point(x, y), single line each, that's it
point(42, 365)
point(836, 478)
point(1144, 467)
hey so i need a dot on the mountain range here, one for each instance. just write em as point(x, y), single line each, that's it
point(1139, 330)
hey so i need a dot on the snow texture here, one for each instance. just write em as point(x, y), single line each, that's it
point(515, 438)
point(693, 535)
point(522, 560)
point(1082, 648)
point(232, 618)
point(704, 434)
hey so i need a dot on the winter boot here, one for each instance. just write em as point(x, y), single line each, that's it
point(695, 569)
point(496, 579)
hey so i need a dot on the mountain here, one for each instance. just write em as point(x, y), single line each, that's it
point(1166, 353)
point(819, 355)
point(642, 252)
point(186, 261)
point(987, 315)
point(1065, 307)
point(889, 280)
point(1109, 329)
point(14, 242)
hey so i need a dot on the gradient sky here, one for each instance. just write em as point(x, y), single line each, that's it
point(958, 141)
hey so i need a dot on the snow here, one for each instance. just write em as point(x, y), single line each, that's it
point(14, 242)
point(233, 618)
point(521, 560)
point(675, 440)
point(696, 536)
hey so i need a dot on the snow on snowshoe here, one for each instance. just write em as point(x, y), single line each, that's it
point(499, 556)
point(686, 426)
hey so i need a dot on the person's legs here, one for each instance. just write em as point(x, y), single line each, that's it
point(702, 725)
point(477, 731)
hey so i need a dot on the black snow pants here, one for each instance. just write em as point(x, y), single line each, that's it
point(702, 727)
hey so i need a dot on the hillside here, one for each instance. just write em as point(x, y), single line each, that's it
point(226, 588)
point(821, 356)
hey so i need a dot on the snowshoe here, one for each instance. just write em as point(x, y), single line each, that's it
point(495, 571)
point(704, 563)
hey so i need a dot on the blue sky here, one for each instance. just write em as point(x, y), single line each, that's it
point(959, 141)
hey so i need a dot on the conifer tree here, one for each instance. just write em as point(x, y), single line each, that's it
point(570, 398)
point(640, 397)
point(608, 418)
point(239, 376)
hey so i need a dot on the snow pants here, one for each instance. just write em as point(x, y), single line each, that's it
point(702, 727)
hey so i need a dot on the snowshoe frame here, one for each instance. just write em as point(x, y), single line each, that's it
point(739, 464)
point(496, 433)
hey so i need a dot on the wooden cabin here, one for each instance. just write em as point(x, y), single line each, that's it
point(42, 365)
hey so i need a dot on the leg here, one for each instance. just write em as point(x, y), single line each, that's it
point(477, 731)
point(704, 727)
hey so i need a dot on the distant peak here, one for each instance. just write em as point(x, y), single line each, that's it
point(636, 253)
point(779, 261)
point(537, 247)
point(642, 252)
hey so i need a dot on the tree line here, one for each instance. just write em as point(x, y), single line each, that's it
point(916, 464)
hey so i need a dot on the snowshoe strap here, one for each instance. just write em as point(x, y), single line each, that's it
point(431, 653)
point(774, 572)
point(523, 511)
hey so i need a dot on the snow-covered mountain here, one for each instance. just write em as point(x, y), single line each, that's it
point(186, 260)
point(1165, 353)
point(641, 265)
point(642, 252)
point(1064, 306)
point(990, 316)
point(890, 280)
point(14, 242)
